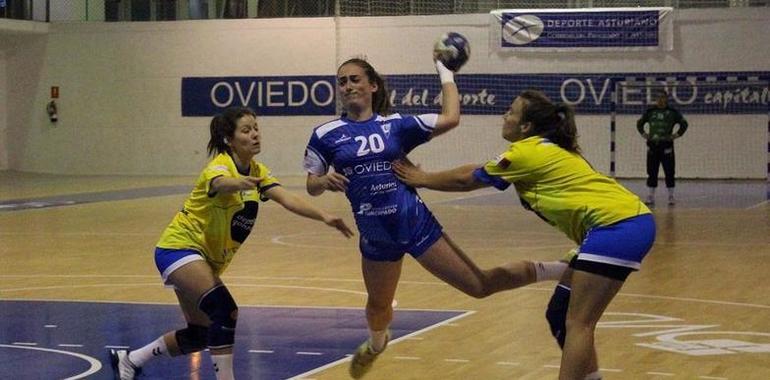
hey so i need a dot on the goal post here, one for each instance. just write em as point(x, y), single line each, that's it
point(729, 127)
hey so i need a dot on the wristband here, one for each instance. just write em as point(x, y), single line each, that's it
point(446, 75)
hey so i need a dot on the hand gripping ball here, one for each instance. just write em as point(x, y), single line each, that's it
point(453, 50)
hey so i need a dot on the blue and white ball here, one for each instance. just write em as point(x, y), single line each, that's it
point(453, 50)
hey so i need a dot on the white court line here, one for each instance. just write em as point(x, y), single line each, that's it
point(95, 364)
point(309, 353)
point(407, 358)
point(262, 351)
point(394, 341)
point(758, 205)
point(528, 288)
point(69, 345)
point(24, 344)
point(508, 363)
point(660, 373)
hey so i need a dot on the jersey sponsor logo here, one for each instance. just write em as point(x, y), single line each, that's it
point(219, 168)
point(368, 168)
point(342, 139)
point(243, 221)
point(383, 188)
point(366, 209)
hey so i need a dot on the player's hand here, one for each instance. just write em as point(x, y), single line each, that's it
point(339, 224)
point(408, 172)
point(249, 182)
point(336, 182)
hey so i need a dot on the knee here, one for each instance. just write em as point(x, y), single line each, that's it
point(191, 339)
point(556, 314)
point(375, 308)
point(221, 309)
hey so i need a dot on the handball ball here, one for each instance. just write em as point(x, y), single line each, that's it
point(453, 50)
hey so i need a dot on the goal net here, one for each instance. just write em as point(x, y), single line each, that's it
point(728, 135)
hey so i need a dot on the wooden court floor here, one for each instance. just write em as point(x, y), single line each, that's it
point(699, 309)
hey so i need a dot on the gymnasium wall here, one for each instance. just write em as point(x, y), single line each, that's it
point(120, 112)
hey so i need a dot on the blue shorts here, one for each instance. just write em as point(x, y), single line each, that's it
point(623, 244)
point(169, 260)
point(424, 231)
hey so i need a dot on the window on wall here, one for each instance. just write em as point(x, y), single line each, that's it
point(165, 10)
point(294, 8)
point(233, 8)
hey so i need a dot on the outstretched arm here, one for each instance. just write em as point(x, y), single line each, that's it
point(300, 207)
point(458, 179)
point(227, 185)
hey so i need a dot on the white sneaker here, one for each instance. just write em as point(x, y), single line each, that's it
point(650, 201)
point(671, 200)
point(122, 368)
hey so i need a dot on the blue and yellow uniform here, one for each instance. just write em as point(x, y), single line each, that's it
point(391, 217)
point(212, 226)
point(565, 191)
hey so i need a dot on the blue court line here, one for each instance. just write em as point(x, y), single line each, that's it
point(55, 340)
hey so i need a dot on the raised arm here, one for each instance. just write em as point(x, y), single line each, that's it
point(299, 206)
point(458, 179)
point(450, 101)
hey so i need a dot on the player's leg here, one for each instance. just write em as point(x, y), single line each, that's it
point(198, 286)
point(591, 294)
point(653, 165)
point(445, 260)
point(668, 160)
point(381, 280)
point(607, 256)
point(170, 262)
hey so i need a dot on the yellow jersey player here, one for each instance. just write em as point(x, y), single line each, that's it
point(201, 240)
point(613, 229)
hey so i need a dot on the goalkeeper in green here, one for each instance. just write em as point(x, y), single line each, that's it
point(660, 137)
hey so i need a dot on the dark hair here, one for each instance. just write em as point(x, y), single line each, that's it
point(554, 121)
point(223, 127)
point(380, 101)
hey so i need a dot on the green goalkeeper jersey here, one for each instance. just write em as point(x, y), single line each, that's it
point(662, 121)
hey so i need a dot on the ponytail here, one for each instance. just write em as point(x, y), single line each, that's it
point(222, 127)
point(554, 121)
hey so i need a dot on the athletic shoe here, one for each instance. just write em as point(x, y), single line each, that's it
point(364, 358)
point(650, 201)
point(122, 368)
point(671, 200)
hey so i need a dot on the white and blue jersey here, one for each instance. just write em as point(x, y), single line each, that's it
point(391, 217)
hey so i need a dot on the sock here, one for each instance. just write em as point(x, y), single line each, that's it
point(223, 366)
point(594, 376)
point(150, 351)
point(378, 339)
point(550, 270)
